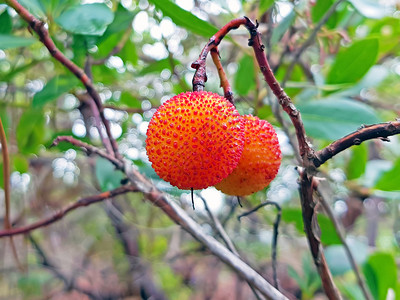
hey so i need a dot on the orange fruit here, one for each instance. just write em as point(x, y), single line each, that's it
point(195, 139)
point(259, 162)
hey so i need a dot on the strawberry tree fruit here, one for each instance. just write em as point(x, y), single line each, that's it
point(259, 163)
point(195, 139)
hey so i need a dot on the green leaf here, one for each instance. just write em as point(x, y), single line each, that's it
point(264, 6)
point(318, 11)
point(333, 118)
point(129, 100)
point(53, 89)
point(20, 163)
point(337, 258)
point(5, 23)
point(381, 274)
point(108, 177)
point(158, 66)
point(35, 7)
point(86, 19)
point(244, 78)
point(8, 41)
point(283, 26)
point(353, 63)
point(30, 131)
point(328, 232)
point(184, 18)
point(122, 21)
point(358, 161)
point(389, 181)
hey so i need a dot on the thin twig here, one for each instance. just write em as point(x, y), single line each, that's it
point(339, 231)
point(66, 210)
point(366, 132)
point(275, 234)
point(219, 229)
point(6, 175)
point(309, 40)
point(224, 83)
point(88, 148)
point(141, 278)
point(7, 191)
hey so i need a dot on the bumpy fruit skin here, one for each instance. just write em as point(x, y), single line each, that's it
point(195, 139)
point(259, 163)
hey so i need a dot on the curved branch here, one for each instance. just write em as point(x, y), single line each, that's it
point(382, 130)
point(62, 213)
point(224, 83)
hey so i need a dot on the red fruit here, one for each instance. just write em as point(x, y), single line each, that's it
point(259, 163)
point(195, 139)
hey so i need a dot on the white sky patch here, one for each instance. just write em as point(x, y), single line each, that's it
point(141, 22)
point(79, 128)
point(284, 9)
point(155, 32)
point(185, 4)
point(234, 6)
point(156, 50)
point(167, 27)
point(214, 199)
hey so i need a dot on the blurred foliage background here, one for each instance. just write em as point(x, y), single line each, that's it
point(139, 54)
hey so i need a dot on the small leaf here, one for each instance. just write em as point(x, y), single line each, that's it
point(30, 131)
point(244, 78)
point(283, 26)
point(381, 274)
point(5, 23)
point(8, 41)
point(328, 232)
point(184, 18)
point(122, 21)
point(319, 10)
point(358, 161)
point(353, 63)
point(86, 19)
point(53, 89)
point(264, 6)
point(130, 101)
point(20, 163)
point(35, 7)
point(108, 177)
point(389, 181)
point(333, 118)
point(337, 258)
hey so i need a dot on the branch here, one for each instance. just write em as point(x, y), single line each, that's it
point(39, 27)
point(222, 76)
point(141, 278)
point(89, 149)
point(200, 77)
point(283, 99)
point(339, 232)
point(367, 132)
point(7, 191)
point(179, 216)
point(62, 213)
point(6, 175)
